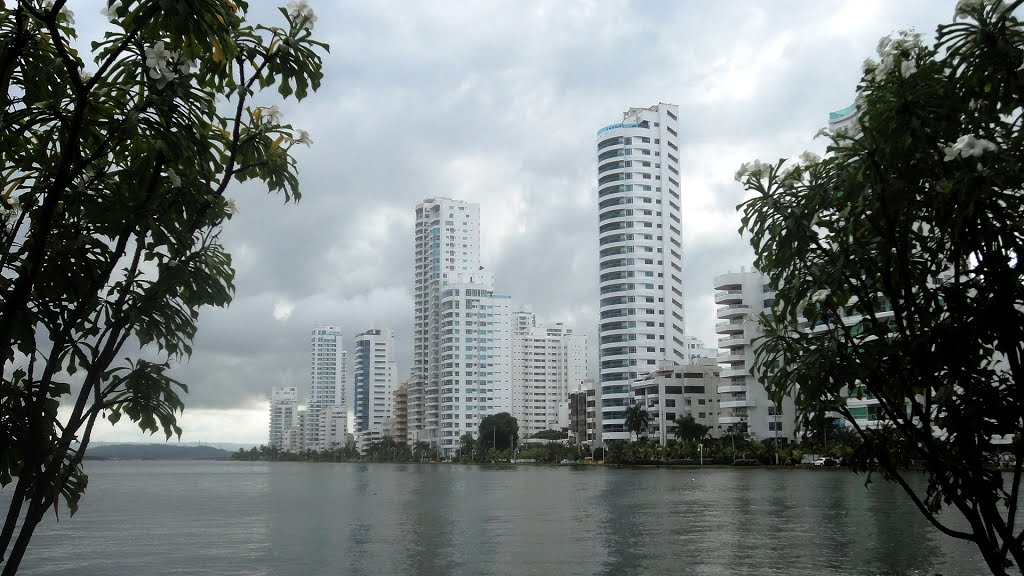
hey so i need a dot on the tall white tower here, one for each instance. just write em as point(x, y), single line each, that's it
point(329, 384)
point(375, 379)
point(284, 414)
point(447, 244)
point(641, 254)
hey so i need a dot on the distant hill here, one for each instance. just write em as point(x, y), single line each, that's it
point(155, 452)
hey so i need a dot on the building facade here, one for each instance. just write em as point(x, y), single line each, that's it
point(547, 361)
point(284, 414)
point(674, 391)
point(584, 413)
point(374, 379)
point(329, 382)
point(741, 297)
point(476, 357)
point(400, 422)
point(641, 255)
point(447, 242)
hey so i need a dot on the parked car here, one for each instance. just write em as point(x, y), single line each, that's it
point(825, 461)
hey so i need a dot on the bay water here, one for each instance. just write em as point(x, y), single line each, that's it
point(254, 518)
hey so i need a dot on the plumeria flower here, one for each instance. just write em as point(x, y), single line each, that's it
point(963, 6)
point(272, 114)
point(174, 178)
point(743, 171)
point(968, 146)
point(302, 13)
point(110, 10)
point(303, 138)
point(820, 295)
point(809, 157)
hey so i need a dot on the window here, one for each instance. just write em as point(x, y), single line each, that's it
point(670, 403)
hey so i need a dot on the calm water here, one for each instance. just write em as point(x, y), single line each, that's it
point(163, 518)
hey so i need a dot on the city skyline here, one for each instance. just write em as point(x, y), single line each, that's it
point(512, 129)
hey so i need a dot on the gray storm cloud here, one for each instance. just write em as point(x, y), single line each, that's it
point(498, 103)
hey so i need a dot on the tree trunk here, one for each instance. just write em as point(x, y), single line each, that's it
point(32, 518)
point(13, 513)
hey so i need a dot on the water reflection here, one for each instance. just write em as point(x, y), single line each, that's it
point(422, 520)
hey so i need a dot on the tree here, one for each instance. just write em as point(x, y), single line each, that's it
point(499, 431)
point(467, 444)
point(637, 419)
point(689, 429)
point(898, 262)
point(114, 163)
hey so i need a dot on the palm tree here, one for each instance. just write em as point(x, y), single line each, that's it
point(689, 429)
point(637, 419)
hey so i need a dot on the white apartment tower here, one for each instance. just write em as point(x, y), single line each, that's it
point(741, 298)
point(547, 362)
point(476, 357)
point(641, 255)
point(329, 385)
point(284, 414)
point(447, 240)
point(375, 379)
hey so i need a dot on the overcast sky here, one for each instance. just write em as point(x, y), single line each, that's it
point(498, 103)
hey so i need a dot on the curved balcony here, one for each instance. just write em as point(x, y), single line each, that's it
point(730, 281)
point(729, 327)
point(729, 297)
point(734, 372)
point(731, 358)
point(733, 341)
point(733, 311)
point(748, 403)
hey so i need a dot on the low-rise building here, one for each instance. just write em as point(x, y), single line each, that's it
point(673, 391)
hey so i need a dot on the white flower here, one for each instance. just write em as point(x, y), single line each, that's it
point(883, 45)
point(110, 10)
point(968, 146)
point(743, 171)
point(185, 66)
point(869, 65)
point(963, 6)
point(907, 68)
point(823, 132)
point(303, 138)
point(157, 58)
point(809, 158)
point(15, 202)
point(174, 178)
point(302, 13)
point(272, 114)
point(820, 295)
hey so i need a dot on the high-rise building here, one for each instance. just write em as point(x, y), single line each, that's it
point(476, 357)
point(374, 379)
point(447, 240)
point(329, 385)
point(547, 361)
point(741, 297)
point(400, 422)
point(284, 414)
point(641, 255)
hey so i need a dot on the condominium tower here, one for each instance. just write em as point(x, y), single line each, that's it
point(745, 404)
point(375, 379)
point(284, 414)
point(329, 385)
point(447, 240)
point(641, 255)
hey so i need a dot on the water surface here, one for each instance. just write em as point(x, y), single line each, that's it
point(166, 518)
